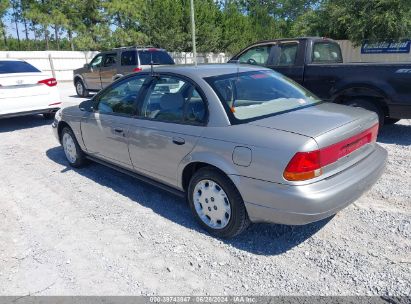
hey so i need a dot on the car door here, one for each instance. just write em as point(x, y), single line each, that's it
point(92, 74)
point(285, 61)
point(108, 69)
point(172, 117)
point(105, 130)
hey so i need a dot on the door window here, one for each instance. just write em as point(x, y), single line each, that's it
point(171, 99)
point(121, 98)
point(256, 55)
point(287, 54)
point(109, 60)
point(96, 62)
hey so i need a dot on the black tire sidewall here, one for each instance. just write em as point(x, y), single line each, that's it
point(85, 91)
point(368, 105)
point(239, 218)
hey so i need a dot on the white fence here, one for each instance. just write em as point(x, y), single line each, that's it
point(61, 64)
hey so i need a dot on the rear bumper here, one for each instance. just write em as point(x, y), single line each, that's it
point(33, 112)
point(299, 205)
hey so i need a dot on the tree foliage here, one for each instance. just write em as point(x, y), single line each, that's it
point(221, 25)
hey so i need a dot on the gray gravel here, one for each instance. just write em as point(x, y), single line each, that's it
point(95, 231)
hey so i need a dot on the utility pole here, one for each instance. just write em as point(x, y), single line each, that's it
point(193, 31)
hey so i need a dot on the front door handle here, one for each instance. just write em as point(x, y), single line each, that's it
point(118, 130)
point(179, 141)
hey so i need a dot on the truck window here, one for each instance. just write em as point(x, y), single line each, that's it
point(158, 57)
point(256, 55)
point(288, 54)
point(326, 52)
point(129, 58)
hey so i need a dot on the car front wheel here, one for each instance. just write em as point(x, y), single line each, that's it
point(216, 203)
point(72, 150)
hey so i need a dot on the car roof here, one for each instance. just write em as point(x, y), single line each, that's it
point(206, 70)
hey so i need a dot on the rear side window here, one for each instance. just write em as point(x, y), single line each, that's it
point(158, 57)
point(326, 52)
point(16, 67)
point(129, 58)
point(288, 54)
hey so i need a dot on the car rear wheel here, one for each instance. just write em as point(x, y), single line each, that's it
point(72, 150)
point(81, 89)
point(216, 203)
point(368, 105)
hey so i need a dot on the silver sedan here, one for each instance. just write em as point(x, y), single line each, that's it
point(243, 144)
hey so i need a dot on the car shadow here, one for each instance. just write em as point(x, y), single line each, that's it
point(261, 239)
point(399, 134)
point(23, 122)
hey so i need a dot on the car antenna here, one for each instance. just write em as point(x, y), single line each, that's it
point(151, 64)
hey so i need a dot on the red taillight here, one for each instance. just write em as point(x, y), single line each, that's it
point(307, 165)
point(51, 82)
point(304, 165)
point(137, 69)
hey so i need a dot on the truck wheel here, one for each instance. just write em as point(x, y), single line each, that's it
point(72, 150)
point(391, 121)
point(368, 105)
point(216, 203)
point(81, 89)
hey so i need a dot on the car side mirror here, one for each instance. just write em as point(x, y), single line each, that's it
point(86, 106)
point(86, 65)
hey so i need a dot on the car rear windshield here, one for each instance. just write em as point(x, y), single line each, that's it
point(326, 52)
point(7, 67)
point(158, 57)
point(249, 96)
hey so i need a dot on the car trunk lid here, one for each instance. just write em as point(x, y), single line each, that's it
point(15, 85)
point(344, 135)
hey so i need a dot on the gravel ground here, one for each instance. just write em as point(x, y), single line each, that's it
point(95, 231)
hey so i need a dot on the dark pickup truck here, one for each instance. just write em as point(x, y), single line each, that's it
point(317, 64)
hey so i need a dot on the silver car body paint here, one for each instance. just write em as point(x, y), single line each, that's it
point(146, 147)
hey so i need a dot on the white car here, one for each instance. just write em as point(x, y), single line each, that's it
point(25, 90)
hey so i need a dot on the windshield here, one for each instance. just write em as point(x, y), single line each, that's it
point(252, 95)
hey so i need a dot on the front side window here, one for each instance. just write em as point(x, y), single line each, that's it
point(129, 58)
point(171, 99)
point(96, 62)
point(257, 55)
point(253, 95)
point(121, 98)
point(326, 52)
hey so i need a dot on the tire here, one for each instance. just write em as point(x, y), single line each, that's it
point(81, 89)
point(74, 155)
point(225, 215)
point(391, 121)
point(49, 115)
point(368, 105)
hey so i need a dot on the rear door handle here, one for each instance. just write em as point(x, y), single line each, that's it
point(118, 130)
point(179, 141)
